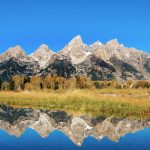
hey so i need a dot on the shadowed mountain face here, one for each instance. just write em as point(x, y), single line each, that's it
point(97, 61)
point(125, 71)
point(77, 128)
point(96, 69)
point(60, 67)
point(14, 67)
point(147, 65)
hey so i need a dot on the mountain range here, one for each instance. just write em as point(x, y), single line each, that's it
point(96, 61)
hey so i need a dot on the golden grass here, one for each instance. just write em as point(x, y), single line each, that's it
point(106, 102)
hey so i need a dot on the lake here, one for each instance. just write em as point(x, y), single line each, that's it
point(27, 129)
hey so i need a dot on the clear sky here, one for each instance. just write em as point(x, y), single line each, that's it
point(30, 23)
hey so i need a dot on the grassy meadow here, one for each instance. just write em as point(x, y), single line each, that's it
point(131, 103)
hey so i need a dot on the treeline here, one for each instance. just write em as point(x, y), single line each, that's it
point(18, 83)
point(132, 84)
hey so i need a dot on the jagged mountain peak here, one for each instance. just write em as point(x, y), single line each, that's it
point(44, 46)
point(43, 49)
point(76, 50)
point(78, 37)
point(42, 55)
point(76, 41)
point(96, 45)
point(16, 52)
point(114, 43)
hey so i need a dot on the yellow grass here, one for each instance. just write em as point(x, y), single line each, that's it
point(106, 102)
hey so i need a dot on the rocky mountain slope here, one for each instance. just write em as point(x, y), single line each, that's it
point(15, 62)
point(76, 50)
point(15, 122)
point(42, 55)
point(97, 61)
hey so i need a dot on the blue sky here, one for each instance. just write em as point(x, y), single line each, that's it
point(30, 23)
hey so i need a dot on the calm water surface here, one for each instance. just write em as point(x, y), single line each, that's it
point(30, 140)
point(28, 129)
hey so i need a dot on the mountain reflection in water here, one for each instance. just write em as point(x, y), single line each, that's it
point(28, 129)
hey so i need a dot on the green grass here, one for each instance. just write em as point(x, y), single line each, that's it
point(132, 103)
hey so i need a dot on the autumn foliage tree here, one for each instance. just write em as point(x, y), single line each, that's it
point(55, 83)
point(142, 84)
point(36, 83)
point(48, 82)
point(18, 82)
point(5, 85)
point(81, 82)
point(60, 83)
